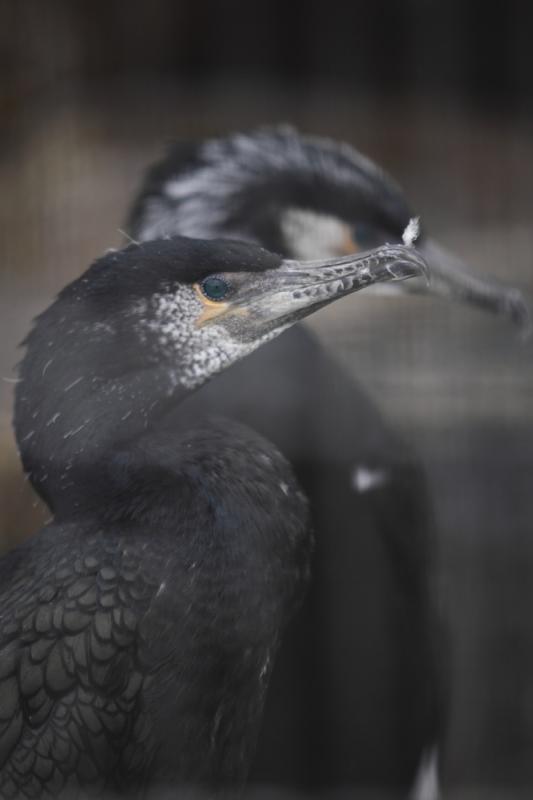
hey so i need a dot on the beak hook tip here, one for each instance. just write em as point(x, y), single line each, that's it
point(520, 312)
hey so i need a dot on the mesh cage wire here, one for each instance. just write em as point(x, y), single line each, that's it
point(457, 384)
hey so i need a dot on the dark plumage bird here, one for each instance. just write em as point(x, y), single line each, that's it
point(358, 691)
point(139, 628)
point(362, 692)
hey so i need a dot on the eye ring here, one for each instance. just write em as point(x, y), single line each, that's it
point(215, 288)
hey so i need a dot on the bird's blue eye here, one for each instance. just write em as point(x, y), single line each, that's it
point(367, 236)
point(214, 288)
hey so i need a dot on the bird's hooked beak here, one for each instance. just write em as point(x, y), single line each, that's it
point(451, 278)
point(269, 301)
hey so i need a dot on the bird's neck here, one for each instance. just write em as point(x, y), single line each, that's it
point(80, 421)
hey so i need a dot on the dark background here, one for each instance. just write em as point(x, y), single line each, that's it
point(441, 94)
point(476, 53)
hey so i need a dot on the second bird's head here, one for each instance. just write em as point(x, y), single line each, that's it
point(304, 197)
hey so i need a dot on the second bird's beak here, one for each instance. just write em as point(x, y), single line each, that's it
point(451, 278)
point(279, 297)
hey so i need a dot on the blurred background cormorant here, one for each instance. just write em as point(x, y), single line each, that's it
point(303, 196)
point(139, 628)
point(369, 617)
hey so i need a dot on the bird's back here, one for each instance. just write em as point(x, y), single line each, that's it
point(135, 655)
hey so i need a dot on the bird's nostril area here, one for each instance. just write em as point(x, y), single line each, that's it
point(402, 268)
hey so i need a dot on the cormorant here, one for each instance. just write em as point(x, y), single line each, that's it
point(302, 196)
point(139, 627)
point(358, 689)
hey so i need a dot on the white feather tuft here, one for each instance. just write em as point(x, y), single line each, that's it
point(412, 231)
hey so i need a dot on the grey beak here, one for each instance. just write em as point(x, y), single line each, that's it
point(450, 278)
point(298, 288)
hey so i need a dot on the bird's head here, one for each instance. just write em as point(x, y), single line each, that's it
point(145, 325)
point(301, 196)
point(196, 306)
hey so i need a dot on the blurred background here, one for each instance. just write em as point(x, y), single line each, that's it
point(440, 94)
